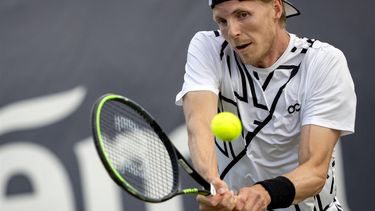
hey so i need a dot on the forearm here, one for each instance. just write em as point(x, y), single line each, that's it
point(199, 109)
point(202, 150)
point(316, 148)
point(308, 181)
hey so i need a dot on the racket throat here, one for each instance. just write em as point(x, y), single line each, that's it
point(185, 166)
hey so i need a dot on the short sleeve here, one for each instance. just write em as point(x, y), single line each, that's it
point(201, 69)
point(330, 101)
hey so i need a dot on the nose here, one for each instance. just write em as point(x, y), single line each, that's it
point(234, 29)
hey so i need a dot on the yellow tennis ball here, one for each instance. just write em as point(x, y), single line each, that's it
point(226, 126)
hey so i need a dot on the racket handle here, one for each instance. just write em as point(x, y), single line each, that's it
point(204, 192)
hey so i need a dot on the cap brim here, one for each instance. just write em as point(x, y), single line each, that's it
point(290, 9)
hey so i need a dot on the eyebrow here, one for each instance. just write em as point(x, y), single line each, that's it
point(215, 17)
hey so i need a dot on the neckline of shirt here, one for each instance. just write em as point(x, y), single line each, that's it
point(278, 62)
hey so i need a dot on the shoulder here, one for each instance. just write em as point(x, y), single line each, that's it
point(319, 52)
point(207, 41)
point(320, 56)
point(211, 36)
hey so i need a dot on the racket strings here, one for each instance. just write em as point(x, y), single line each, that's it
point(136, 151)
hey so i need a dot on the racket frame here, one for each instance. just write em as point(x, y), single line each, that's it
point(176, 157)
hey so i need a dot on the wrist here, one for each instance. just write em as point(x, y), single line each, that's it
point(281, 192)
point(212, 178)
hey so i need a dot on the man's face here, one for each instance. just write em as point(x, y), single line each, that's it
point(249, 27)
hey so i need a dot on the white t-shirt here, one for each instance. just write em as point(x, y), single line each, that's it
point(309, 84)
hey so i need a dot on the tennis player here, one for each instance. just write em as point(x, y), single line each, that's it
point(295, 98)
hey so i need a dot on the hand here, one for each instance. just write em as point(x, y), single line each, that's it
point(224, 200)
point(254, 198)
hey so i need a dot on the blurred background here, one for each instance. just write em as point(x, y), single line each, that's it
point(57, 57)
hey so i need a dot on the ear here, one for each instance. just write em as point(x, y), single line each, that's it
point(278, 8)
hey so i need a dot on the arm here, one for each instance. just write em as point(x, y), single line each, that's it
point(199, 109)
point(331, 104)
point(315, 152)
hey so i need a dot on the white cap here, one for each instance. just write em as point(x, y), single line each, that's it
point(290, 9)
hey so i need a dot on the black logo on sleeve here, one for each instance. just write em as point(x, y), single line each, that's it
point(294, 108)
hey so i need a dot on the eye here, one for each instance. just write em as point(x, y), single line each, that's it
point(242, 15)
point(221, 22)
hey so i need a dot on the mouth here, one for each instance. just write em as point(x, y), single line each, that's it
point(242, 47)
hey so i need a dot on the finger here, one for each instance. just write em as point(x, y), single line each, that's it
point(240, 203)
point(209, 201)
point(253, 207)
point(253, 203)
point(226, 201)
point(234, 202)
point(229, 201)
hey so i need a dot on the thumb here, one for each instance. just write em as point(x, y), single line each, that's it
point(220, 186)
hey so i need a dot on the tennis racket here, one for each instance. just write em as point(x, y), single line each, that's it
point(136, 152)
